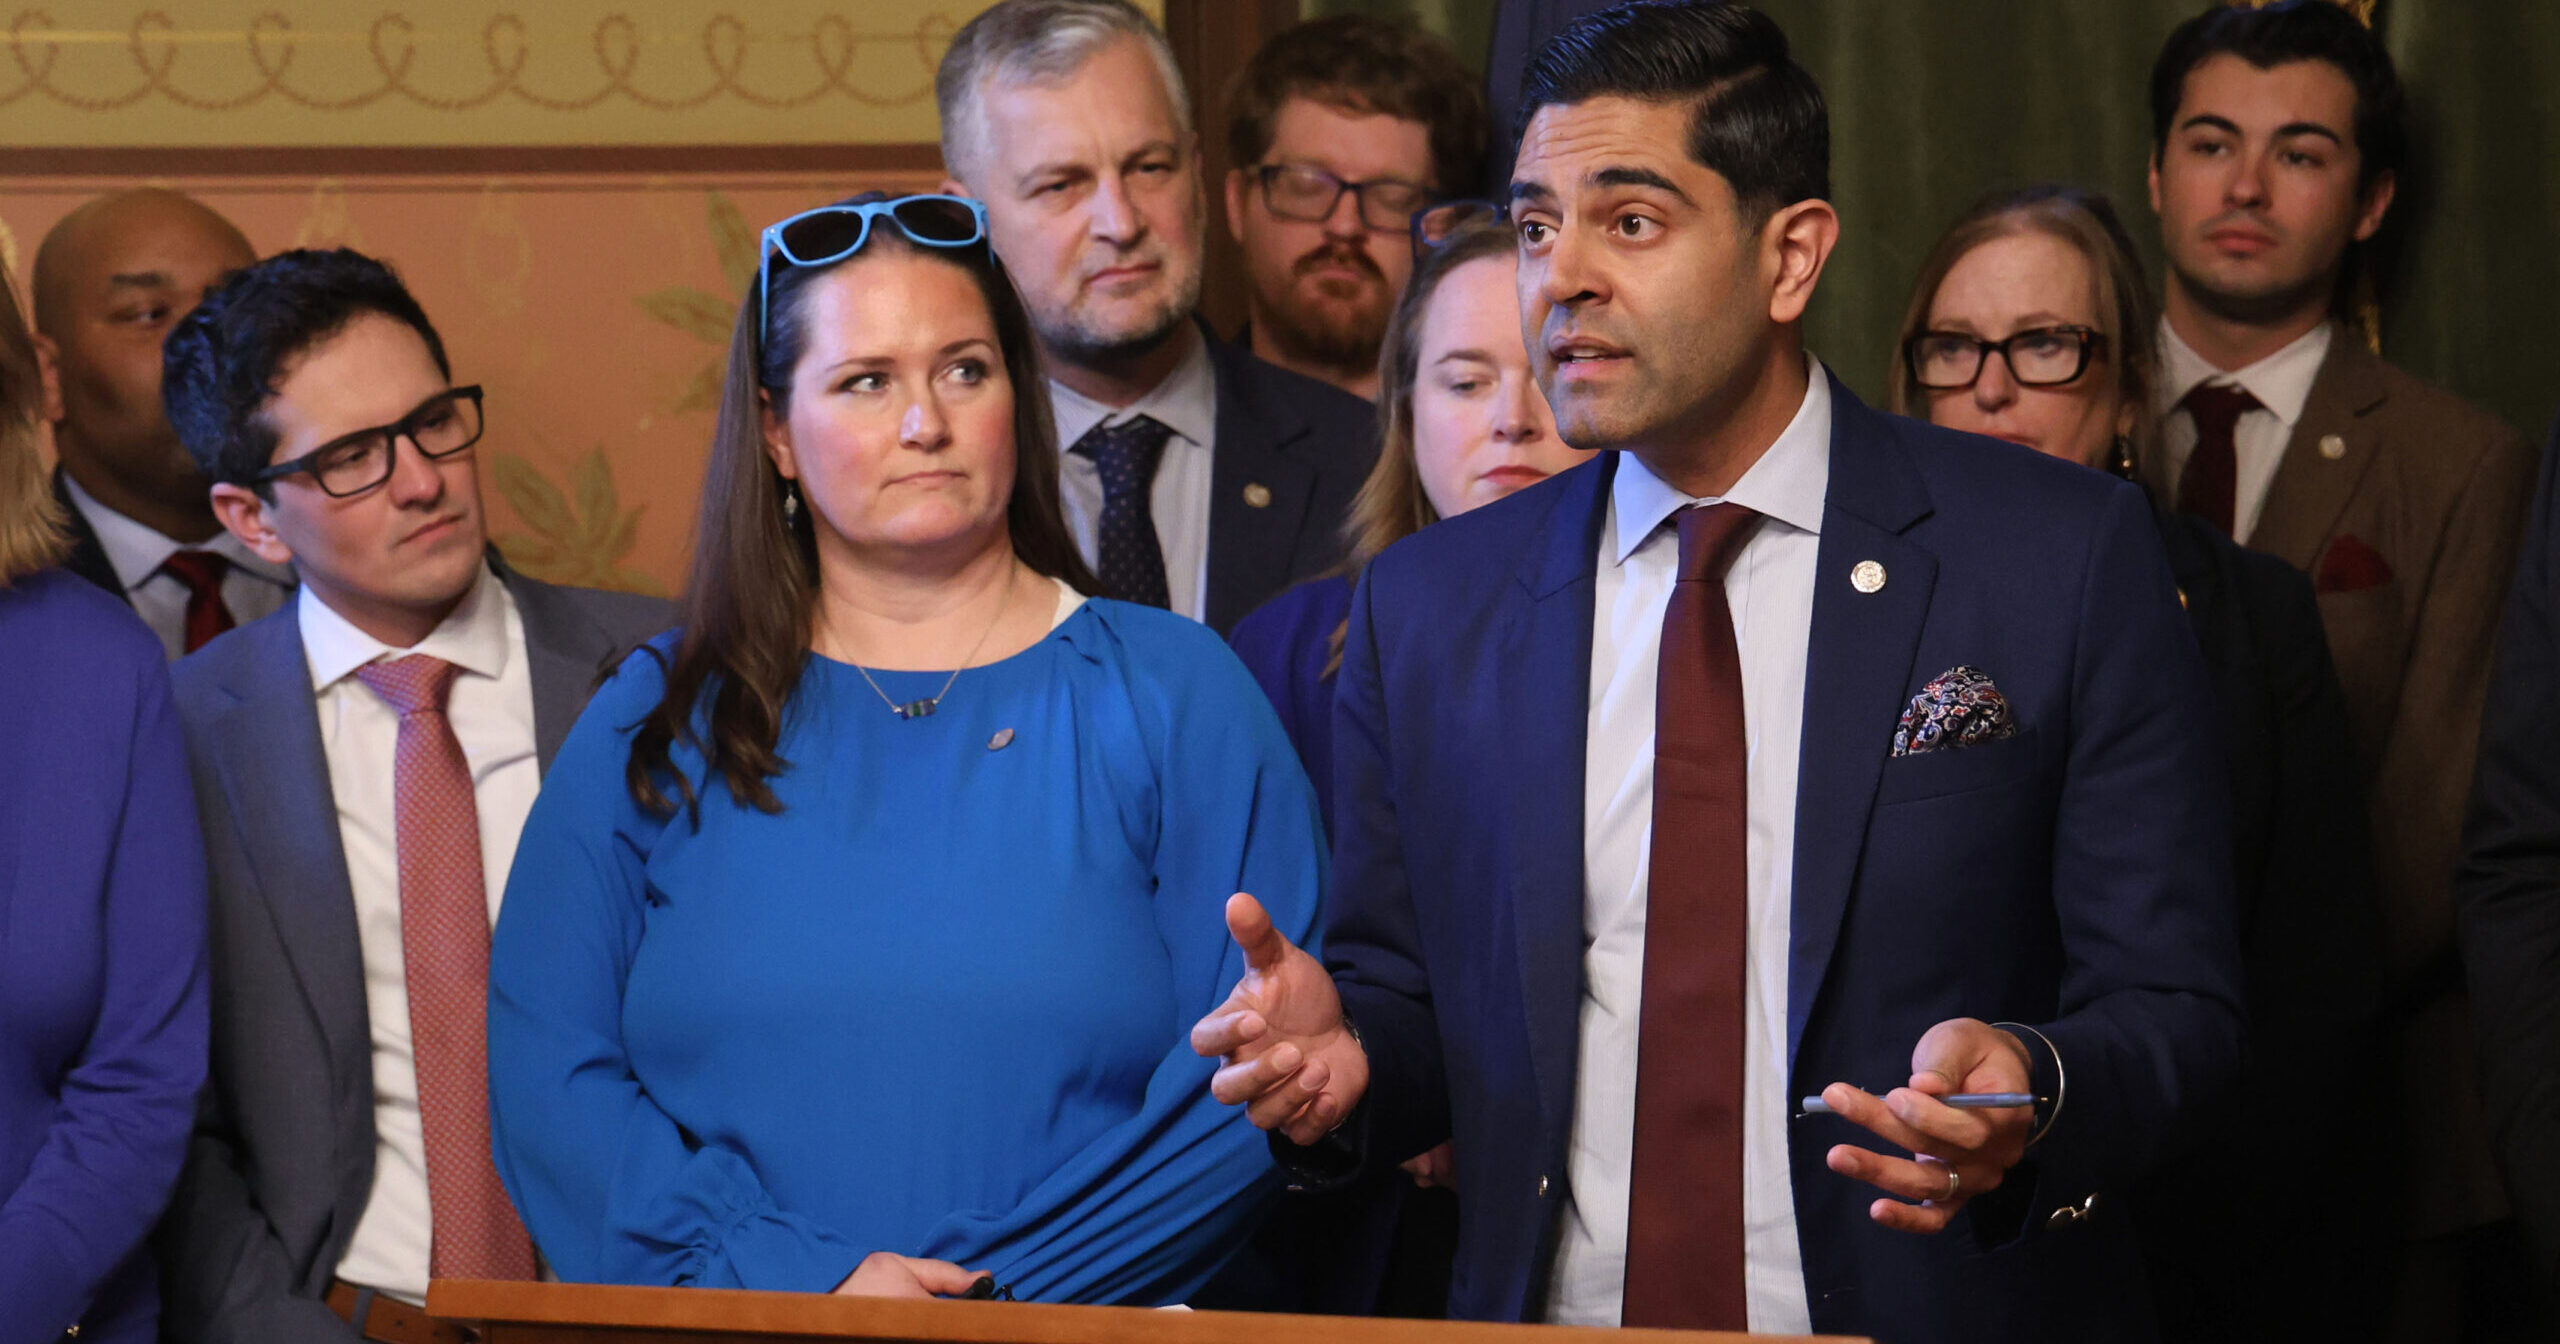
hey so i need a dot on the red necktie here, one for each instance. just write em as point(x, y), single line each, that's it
point(1684, 1205)
point(201, 572)
point(444, 941)
point(2210, 483)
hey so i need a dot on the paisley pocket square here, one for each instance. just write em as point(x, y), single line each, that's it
point(1960, 707)
point(2350, 565)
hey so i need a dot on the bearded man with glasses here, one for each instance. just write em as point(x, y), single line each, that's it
point(363, 760)
point(1341, 129)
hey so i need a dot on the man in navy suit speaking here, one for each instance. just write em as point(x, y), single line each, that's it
point(1791, 749)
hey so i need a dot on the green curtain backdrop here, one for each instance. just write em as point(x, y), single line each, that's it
point(1936, 101)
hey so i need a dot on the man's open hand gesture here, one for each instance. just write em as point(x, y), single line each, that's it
point(1289, 1058)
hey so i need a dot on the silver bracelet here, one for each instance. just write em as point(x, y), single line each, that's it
point(2061, 1082)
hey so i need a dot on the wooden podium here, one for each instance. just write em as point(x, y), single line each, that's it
point(584, 1313)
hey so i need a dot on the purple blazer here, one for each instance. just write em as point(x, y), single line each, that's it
point(1285, 643)
point(102, 961)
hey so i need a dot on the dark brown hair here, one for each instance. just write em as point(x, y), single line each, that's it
point(2128, 350)
point(1392, 505)
point(1365, 66)
point(1757, 118)
point(752, 594)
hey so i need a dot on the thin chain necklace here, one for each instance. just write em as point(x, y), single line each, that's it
point(921, 709)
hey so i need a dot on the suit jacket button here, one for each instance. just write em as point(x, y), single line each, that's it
point(1542, 1187)
point(1257, 495)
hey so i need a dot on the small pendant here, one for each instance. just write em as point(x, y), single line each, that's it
point(919, 709)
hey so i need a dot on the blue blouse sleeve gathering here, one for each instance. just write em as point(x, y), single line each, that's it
point(104, 901)
point(866, 930)
point(1147, 1212)
point(611, 1189)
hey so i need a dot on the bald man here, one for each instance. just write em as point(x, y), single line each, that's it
point(110, 281)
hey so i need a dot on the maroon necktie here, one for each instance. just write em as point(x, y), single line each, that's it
point(1684, 1204)
point(2210, 484)
point(444, 943)
point(201, 572)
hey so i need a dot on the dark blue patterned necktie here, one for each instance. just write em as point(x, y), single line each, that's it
point(1129, 559)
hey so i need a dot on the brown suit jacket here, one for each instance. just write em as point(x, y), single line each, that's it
point(2404, 503)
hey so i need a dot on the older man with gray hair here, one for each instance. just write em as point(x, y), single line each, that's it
point(1197, 477)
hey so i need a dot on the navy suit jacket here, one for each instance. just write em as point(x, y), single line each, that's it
point(1290, 453)
point(2075, 878)
point(2507, 889)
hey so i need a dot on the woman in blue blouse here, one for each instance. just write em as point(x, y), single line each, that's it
point(102, 922)
point(1462, 424)
point(854, 940)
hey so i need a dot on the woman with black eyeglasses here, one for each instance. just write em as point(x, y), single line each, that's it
point(853, 942)
point(2032, 322)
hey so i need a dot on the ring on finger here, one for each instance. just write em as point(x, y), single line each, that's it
point(1955, 1182)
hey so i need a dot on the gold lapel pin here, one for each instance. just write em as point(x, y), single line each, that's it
point(1868, 577)
point(2332, 447)
point(1257, 496)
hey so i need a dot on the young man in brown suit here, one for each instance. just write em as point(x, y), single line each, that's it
point(2276, 135)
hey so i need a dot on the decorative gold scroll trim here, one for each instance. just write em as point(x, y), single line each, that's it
point(153, 41)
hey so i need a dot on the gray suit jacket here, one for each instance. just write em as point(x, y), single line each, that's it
point(282, 1161)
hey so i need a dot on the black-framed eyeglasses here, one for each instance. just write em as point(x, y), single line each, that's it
point(1308, 195)
point(351, 464)
point(2037, 357)
point(831, 233)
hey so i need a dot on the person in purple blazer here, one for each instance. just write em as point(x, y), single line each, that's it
point(102, 933)
point(1461, 423)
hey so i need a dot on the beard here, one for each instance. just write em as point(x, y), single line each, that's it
point(1080, 334)
point(1341, 334)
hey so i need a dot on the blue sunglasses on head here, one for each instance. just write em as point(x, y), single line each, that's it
point(831, 233)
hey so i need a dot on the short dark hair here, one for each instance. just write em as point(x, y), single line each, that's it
point(220, 364)
point(2281, 34)
point(1364, 65)
point(1759, 119)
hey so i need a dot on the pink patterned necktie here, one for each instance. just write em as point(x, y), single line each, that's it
point(444, 943)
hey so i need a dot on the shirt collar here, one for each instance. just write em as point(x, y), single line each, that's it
point(135, 551)
point(1787, 483)
point(473, 636)
point(1186, 402)
point(2281, 382)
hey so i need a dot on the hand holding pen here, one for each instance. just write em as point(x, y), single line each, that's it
point(1957, 1152)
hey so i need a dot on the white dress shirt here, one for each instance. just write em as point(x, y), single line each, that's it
point(1186, 402)
point(252, 589)
point(491, 709)
point(2281, 382)
point(1770, 592)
